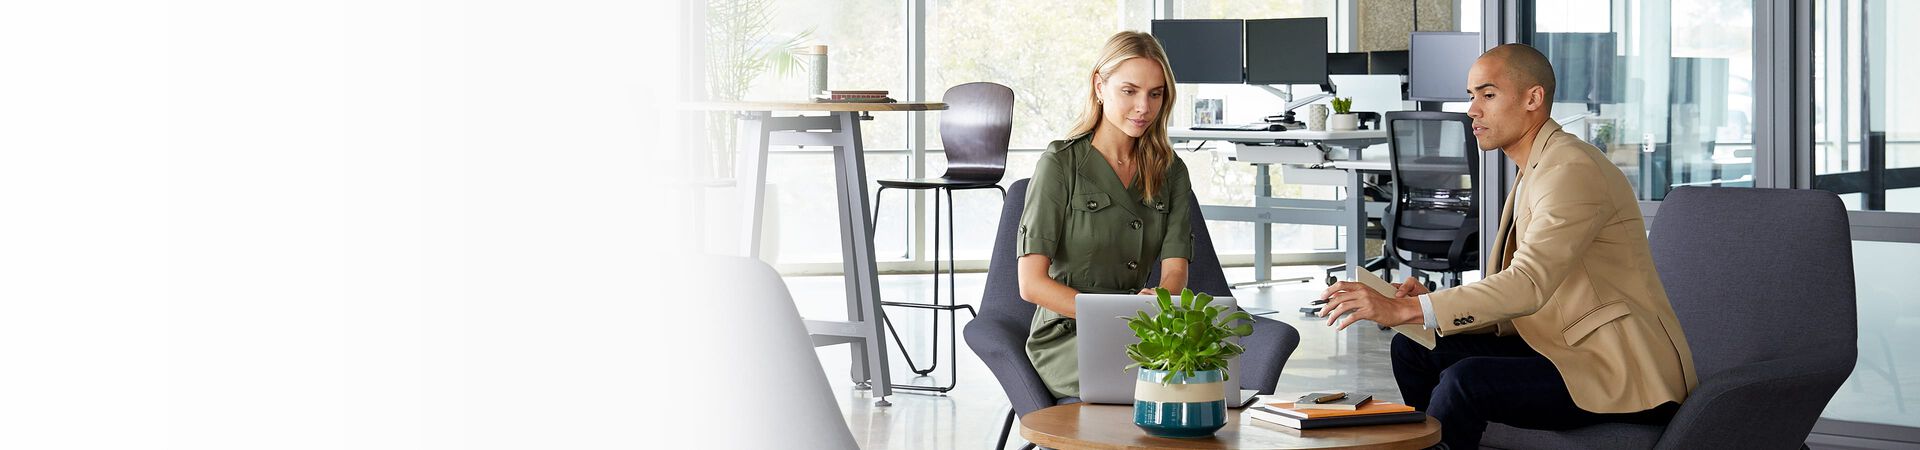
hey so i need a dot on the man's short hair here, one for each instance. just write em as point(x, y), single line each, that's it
point(1525, 65)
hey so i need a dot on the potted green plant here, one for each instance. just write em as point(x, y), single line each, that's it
point(1182, 356)
point(1343, 118)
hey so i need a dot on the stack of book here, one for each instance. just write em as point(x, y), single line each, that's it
point(1371, 412)
point(853, 97)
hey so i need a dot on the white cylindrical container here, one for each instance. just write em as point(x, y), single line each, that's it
point(1317, 117)
point(815, 60)
point(1343, 122)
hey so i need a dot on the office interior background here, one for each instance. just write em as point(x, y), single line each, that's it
point(1801, 94)
point(436, 224)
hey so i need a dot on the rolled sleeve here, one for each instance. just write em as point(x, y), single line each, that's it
point(1045, 216)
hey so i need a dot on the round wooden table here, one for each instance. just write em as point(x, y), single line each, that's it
point(1081, 425)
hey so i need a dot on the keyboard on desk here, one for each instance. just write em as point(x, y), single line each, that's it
point(1240, 127)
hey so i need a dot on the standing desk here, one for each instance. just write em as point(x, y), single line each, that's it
point(840, 129)
point(1304, 153)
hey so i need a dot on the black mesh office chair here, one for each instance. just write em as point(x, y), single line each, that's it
point(1434, 223)
point(975, 131)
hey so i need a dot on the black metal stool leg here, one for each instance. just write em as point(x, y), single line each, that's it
point(952, 305)
point(896, 339)
point(936, 287)
point(1006, 428)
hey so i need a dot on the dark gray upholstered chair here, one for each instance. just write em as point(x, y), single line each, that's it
point(999, 334)
point(1762, 280)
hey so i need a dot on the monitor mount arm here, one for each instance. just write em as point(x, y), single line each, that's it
point(1292, 104)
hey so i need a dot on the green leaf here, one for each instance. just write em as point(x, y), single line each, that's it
point(1186, 336)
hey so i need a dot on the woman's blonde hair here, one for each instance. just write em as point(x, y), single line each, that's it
point(1153, 152)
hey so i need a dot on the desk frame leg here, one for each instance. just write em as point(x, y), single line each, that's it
point(750, 175)
point(1357, 232)
point(856, 252)
point(1262, 231)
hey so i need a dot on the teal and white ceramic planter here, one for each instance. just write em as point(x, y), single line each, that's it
point(1188, 407)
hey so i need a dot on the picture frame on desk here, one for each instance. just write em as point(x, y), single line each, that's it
point(1209, 111)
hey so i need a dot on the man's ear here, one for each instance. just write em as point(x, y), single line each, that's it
point(1536, 97)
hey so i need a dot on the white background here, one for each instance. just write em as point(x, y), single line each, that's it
point(336, 224)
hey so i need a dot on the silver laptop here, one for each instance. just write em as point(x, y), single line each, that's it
point(1104, 338)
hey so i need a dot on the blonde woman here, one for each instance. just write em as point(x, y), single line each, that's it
point(1105, 204)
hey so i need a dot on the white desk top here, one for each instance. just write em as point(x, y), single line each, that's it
point(1268, 136)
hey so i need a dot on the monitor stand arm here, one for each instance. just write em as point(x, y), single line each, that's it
point(1292, 104)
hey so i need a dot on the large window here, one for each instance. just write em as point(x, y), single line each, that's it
point(1039, 49)
point(1664, 88)
point(1687, 117)
point(1219, 181)
point(1866, 147)
point(865, 51)
point(1041, 52)
point(1866, 119)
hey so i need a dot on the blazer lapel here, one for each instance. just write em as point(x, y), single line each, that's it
point(1508, 229)
point(1502, 251)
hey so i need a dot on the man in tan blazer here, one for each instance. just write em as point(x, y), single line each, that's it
point(1572, 326)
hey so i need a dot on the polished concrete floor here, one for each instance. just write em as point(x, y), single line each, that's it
point(969, 417)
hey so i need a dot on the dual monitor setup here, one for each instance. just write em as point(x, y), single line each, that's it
point(1288, 52)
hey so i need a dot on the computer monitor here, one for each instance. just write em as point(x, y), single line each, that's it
point(1437, 68)
point(1287, 51)
point(1346, 64)
point(1203, 51)
point(1387, 62)
point(1584, 69)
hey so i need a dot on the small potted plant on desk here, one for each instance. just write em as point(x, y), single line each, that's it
point(1343, 118)
point(1182, 356)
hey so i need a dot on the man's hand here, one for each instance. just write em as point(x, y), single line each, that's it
point(1411, 288)
point(1363, 303)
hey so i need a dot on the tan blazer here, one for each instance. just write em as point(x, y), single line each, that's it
point(1573, 276)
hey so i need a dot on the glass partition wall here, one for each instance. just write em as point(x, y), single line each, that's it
point(1799, 94)
point(1663, 87)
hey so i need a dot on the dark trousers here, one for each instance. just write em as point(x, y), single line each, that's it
point(1469, 380)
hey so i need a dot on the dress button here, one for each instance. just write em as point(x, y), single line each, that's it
point(1136, 224)
point(1091, 205)
point(1132, 265)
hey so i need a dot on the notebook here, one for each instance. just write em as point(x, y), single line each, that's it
point(1372, 413)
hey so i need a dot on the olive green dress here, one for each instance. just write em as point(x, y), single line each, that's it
point(1103, 238)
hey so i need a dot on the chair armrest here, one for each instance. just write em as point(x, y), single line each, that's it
point(1767, 404)
point(1457, 253)
point(1002, 344)
point(1268, 349)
